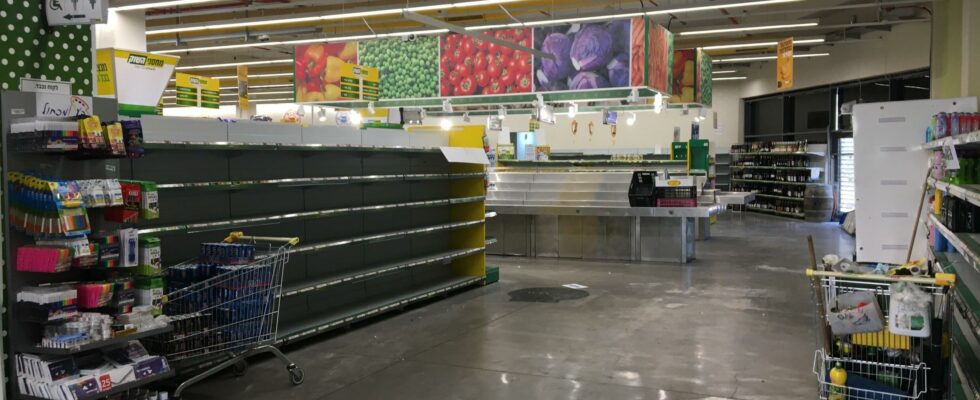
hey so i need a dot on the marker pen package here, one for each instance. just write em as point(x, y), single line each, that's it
point(129, 247)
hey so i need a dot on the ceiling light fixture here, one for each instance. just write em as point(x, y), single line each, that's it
point(235, 64)
point(328, 17)
point(161, 4)
point(446, 124)
point(720, 6)
point(748, 29)
point(759, 44)
point(764, 58)
point(304, 41)
point(730, 78)
point(728, 71)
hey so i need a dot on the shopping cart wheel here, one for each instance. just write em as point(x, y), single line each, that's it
point(240, 368)
point(296, 375)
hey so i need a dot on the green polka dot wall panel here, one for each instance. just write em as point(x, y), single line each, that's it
point(31, 49)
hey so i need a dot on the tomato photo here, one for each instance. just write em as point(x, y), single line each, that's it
point(471, 66)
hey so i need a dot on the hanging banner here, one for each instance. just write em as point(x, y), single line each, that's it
point(197, 91)
point(242, 91)
point(318, 69)
point(594, 55)
point(684, 76)
point(358, 82)
point(704, 92)
point(784, 64)
point(659, 58)
point(144, 75)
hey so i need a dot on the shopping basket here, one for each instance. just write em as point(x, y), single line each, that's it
point(881, 365)
point(224, 306)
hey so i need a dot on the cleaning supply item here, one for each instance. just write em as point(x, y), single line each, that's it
point(910, 310)
point(838, 377)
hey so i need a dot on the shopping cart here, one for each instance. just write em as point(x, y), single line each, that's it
point(881, 365)
point(226, 309)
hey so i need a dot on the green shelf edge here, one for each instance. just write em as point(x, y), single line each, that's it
point(275, 219)
point(312, 182)
point(378, 270)
point(774, 182)
point(774, 212)
point(96, 345)
point(373, 308)
point(280, 147)
point(116, 390)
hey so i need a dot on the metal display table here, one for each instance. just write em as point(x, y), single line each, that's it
point(598, 232)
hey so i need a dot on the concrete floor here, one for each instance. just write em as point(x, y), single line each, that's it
point(735, 324)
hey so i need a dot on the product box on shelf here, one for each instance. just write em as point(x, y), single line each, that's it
point(114, 377)
point(150, 204)
point(150, 259)
point(149, 292)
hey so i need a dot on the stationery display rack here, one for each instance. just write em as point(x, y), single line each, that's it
point(384, 220)
point(786, 177)
point(22, 331)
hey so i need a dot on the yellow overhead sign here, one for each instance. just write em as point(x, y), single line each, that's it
point(784, 64)
point(197, 91)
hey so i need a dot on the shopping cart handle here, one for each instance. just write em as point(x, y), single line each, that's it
point(239, 236)
point(941, 279)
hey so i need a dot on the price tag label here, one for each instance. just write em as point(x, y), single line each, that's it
point(949, 154)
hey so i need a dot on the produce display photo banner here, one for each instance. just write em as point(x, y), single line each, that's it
point(685, 76)
point(470, 66)
point(587, 56)
point(659, 56)
point(704, 79)
point(408, 68)
point(318, 69)
point(592, 56)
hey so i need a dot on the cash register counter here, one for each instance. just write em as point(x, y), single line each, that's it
point(586, 215)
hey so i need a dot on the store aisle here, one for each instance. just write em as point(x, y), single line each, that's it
point(737, 323)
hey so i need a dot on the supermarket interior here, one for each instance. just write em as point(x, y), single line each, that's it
point(490, 199)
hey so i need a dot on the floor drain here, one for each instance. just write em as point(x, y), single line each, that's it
point(547, 294)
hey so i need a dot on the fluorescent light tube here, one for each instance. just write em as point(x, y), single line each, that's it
point(325, 17)
point(730, 78)
point(758, 44)
point(161, 4)
point(762, 58)
point(730, 71)
point(719, 6)
point(235, 64)
point(748, 29)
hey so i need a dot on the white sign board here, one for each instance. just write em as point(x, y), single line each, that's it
point(76, 12)
point(62, 106)
point(42, 86)
point(465, 155)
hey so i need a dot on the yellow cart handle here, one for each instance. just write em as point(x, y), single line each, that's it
point(941, 279)
point(238, 236)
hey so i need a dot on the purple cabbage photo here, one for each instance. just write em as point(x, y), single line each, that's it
point(587, 56)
